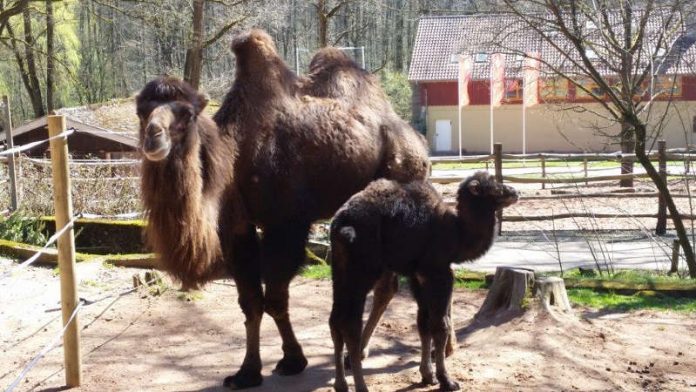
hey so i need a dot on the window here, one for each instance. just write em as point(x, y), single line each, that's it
point(589, 85)
point(554, 89)
point(591, 54)
point(454, 58)
point(481, 57)
point(519, 60)
point(513, 90)
point(666, 86)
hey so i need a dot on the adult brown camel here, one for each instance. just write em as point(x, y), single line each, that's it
point(186, 172)
point(303, 149)
point(408, 229)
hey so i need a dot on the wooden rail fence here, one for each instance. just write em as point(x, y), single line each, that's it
point(498, 159)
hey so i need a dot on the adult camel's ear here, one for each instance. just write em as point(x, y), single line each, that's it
point(473, 187)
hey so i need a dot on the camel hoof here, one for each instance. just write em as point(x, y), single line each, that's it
point(341, 386)
point(425, 381)
point(243, 380)
point(449, 385)
point(289, 366)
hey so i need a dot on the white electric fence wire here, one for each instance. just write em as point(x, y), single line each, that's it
point(31, 145)
point(89, 162)
point(44, 351)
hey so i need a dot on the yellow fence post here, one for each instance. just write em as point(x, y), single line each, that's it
point(62, 200)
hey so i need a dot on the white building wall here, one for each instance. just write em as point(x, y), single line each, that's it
point(553, 128)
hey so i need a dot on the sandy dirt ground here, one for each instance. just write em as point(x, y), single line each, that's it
point(137, 341)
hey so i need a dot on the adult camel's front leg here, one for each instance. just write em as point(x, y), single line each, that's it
point(283, 252)
point(242, 253)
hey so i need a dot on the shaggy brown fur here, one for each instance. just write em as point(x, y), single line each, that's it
point(408, 229)
point(304, 148)
point(186, 168)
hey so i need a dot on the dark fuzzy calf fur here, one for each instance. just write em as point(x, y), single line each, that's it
point(408, 229)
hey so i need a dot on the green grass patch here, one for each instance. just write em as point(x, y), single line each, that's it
point(470, 284)
point(631, 276)
point(316, 271)
point(641, 300)
point(464, 279)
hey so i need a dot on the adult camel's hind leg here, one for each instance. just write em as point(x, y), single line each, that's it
point(283, 252)
point(242, 253)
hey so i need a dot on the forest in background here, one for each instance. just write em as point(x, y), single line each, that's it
point(66, 53)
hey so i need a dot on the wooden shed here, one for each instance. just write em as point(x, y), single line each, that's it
point(86, 140)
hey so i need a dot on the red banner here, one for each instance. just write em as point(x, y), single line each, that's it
point(465, 70)
point(497, 79)
point(531, 80)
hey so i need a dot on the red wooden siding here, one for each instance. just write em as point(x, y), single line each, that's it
point(445, 93)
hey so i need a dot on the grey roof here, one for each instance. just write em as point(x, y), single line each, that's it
point(79, 127)
point(440, 39)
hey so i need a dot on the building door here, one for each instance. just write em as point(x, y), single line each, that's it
point(443, 135)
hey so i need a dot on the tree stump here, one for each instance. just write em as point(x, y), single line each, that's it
point(508, 292)
point(552, 294)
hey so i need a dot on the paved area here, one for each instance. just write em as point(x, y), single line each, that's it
point(543, 254)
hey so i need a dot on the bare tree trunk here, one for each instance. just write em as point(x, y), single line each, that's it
point(662, 188)
point(399, 38)
point(29, 73)
point(49, 56)
point(627, 146)
point(193, 65)
point(322, 24)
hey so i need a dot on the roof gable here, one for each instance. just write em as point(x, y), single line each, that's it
point(440, 39)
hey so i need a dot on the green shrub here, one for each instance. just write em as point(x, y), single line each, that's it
point(21, 227)
point(398, 89)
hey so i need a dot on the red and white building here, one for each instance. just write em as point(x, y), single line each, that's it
point(550, 125)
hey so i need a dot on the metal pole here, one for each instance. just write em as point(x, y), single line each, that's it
point(459, 104)
point(498, 159)
point(492, 151)
point(297, 60)
point(362, 52)
point(524, 128)
point(62, 200)
point(12, 171)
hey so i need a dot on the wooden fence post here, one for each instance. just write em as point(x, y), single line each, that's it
point(62, 200)
point(661, 226)
point(498, 159)
point(675, 257)
point(12, 171)
point(584, 168)
point(543, 170)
